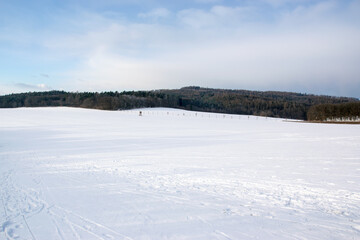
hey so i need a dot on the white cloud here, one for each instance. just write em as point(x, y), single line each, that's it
point(106, 71)
point(279, 3)
point(272, 62)
point(22, 87)
point(32, 87)
point(156, 13)
point(323, 12)
point(301, 51)
point(208, 1)
point(196, 18)
point(42, 86)
point(216, 16)
point(44, 75)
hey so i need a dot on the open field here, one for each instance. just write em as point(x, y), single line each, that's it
point(68, 173)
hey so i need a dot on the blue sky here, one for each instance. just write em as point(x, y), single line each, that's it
point(87, 45)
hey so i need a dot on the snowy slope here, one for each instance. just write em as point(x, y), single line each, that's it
point(69, 173)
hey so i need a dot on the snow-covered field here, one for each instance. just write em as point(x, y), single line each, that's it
point(69, 173)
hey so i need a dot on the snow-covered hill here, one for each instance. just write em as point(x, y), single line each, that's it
point(69, 173)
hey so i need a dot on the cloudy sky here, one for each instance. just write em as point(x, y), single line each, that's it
point(307, 46)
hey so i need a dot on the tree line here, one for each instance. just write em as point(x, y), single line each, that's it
point(269, 103)
point(335, 112)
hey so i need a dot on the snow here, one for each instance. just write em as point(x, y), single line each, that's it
point(68, 173)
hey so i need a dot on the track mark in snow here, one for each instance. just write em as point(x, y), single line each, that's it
point(66, 223)
point(356, 227)
point(58, 229)
point(223, 234)
point(85, 224)
point(19, 205)
point(27, 225)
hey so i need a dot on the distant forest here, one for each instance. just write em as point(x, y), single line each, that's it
point(270, 103)
point(335, 112)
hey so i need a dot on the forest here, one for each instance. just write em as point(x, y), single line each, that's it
point(345, 112)
point(266, 103)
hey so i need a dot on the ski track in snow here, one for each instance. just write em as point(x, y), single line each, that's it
point(21, 205)
point(170, 174)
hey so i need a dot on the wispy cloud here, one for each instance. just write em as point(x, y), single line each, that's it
point(45, 75)
point(279, 3)
point(216, 16)
point(208, 1)
point(22, 87)
point(26, 86)
point(156, 13)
